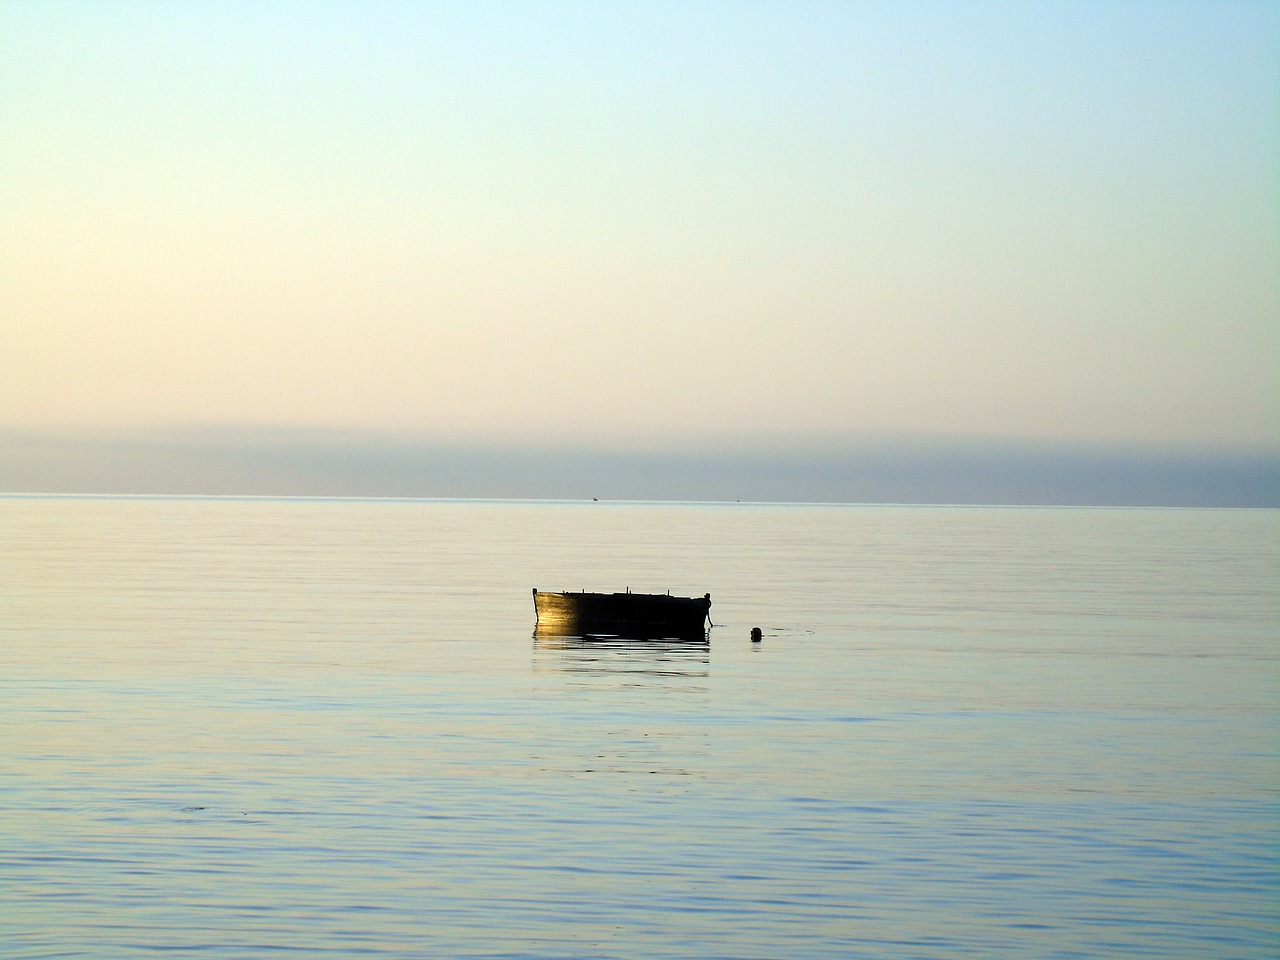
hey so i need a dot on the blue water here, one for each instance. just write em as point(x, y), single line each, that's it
point(250, 727)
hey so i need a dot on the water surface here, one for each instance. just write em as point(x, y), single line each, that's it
point(245, 727)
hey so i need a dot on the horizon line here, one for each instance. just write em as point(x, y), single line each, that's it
point(564, 501)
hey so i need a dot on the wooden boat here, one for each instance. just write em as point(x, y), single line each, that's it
point(640, 615)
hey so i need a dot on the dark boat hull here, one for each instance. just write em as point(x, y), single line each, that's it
point(639, 615)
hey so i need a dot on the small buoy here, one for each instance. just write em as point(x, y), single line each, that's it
point(756, 635)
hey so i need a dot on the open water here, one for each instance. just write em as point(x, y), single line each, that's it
point(323, 728)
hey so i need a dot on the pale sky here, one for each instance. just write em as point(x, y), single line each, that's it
point(647, 220)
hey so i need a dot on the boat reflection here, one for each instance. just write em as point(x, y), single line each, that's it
point(613, 655)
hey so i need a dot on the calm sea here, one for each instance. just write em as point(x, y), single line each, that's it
point(234, 728)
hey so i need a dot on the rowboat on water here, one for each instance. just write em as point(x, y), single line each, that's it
point(641, 615)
